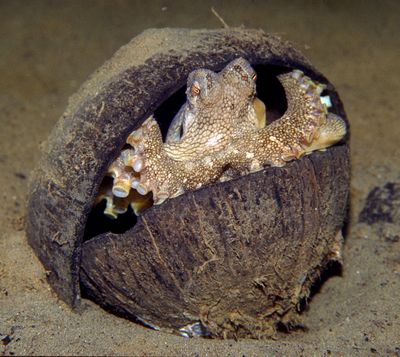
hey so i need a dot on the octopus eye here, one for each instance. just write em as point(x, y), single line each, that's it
point(254, 76)
point(195, 89)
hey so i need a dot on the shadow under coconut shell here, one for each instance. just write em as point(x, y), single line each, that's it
point(269, 90)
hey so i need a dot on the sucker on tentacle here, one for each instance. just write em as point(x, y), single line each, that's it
point(221, 130)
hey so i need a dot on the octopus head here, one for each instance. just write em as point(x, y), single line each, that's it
point(240, 78)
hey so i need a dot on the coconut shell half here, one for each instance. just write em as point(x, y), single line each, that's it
point(233, 259)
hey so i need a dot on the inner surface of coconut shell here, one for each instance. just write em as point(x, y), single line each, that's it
point(233, 259)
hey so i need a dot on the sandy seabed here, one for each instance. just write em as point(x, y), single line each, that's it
point(48, 48)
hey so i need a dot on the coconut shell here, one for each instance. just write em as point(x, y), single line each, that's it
point(236, 258)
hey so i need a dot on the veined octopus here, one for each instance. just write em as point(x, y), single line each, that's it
point(218, 133)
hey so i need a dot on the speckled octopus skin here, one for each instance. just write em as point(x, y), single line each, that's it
point(221, 129)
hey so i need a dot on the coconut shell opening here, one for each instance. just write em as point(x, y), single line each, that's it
point(269, 91)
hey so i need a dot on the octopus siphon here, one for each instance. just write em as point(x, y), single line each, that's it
point(220, 132)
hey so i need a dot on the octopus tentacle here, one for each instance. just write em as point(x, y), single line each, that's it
point(175, 129)
point(260, 113)
point(164, 176)
point(114, 205)
point(148, 149)
point(302, 127)
point(328, 134)
point(122, 178)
